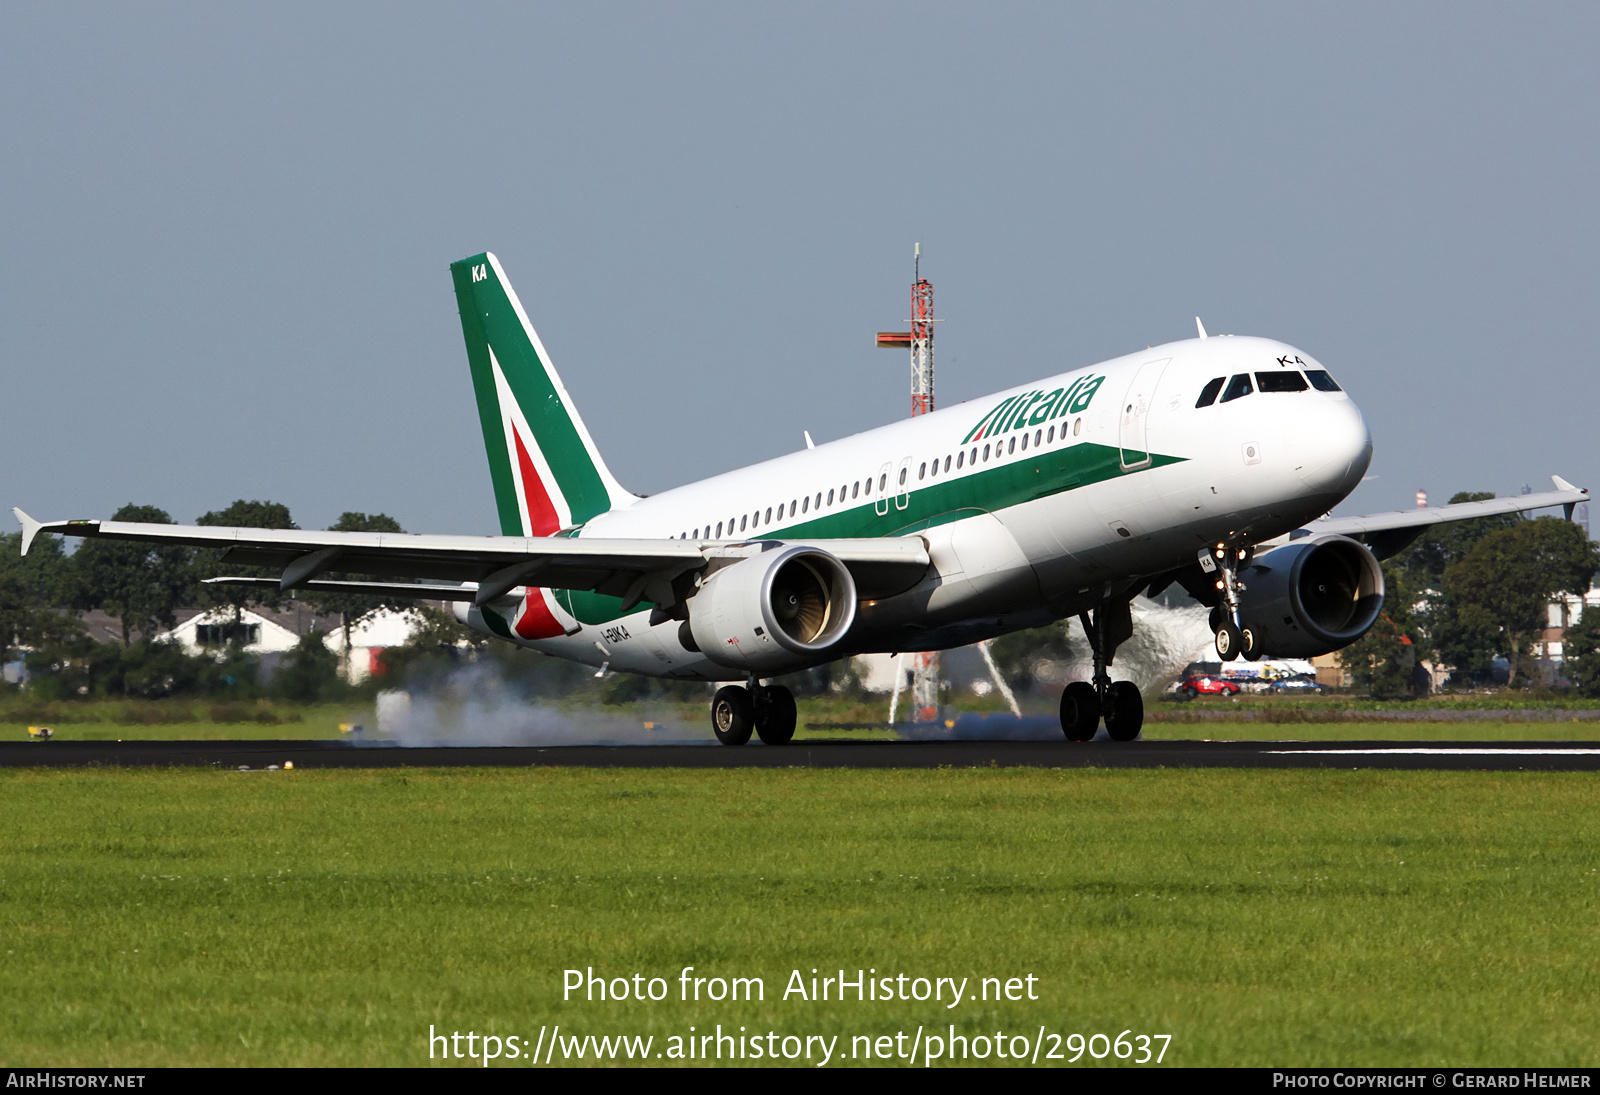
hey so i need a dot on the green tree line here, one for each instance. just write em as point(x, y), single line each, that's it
point(1466, 593)
point(143, 587)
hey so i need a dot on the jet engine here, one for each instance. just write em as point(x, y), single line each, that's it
point(1311, 596)
point(774, 612)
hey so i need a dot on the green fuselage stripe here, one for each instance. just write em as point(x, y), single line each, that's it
point(929, 502)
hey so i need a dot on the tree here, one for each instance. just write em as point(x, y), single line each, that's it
point(1469, 649)
point(31, 587)
point(1384, 660)
point(209, 561)
point(142, 585)
point(1507, 580)
point(309, 673)
point(1581, 650)
point(352, 606)
point(1423, 563)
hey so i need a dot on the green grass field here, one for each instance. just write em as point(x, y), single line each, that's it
point(1249, 718)
point(1260, 918)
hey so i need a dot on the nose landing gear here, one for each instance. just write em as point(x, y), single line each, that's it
point(1084, 704)
point(1233, 638)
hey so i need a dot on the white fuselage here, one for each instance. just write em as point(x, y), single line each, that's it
point(1131, 487)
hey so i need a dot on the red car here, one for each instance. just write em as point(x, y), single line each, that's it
point(1206, 685)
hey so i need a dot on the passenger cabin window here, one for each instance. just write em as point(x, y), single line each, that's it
point(1208, 394)
point(1238, 387)
point(1321, 381)
point(1288, 380)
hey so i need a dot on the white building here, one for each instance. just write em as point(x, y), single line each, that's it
point(257, 633)
point(369, 637)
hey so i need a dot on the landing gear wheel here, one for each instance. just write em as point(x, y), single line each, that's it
point(1248, 646)
point(1229, 641)
point(733, 715)
point(775, 715)
point(1080, 711)
point(1124, 711)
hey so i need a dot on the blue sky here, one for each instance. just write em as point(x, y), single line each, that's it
point(225, 256)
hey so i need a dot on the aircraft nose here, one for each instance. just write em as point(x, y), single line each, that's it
point(1332, 447)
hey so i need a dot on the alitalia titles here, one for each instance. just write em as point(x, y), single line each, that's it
point(1033, 408)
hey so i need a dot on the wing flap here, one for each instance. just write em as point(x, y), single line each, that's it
point(554, 562)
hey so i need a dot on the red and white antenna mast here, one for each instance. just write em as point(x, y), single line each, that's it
point(919, 340)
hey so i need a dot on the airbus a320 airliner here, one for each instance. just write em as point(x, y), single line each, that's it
point(1208, 462)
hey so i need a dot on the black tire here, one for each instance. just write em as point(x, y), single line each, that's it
point(1248, 646)
point(1229, 641)
point(733, 715)
point(1124, 711)
point(1190, 693)
point(775, 715)
point(1080, 711)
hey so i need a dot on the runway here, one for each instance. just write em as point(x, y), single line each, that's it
point(261, 755)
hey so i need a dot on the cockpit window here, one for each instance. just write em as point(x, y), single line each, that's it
point(1208, 394)
point(1238, 387)
point(1321, 381)
point(1289, 380)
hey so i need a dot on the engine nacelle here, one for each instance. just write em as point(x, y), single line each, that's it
point(774, 612)
point(1312, 596)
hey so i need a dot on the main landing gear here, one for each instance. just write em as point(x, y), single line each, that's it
point(768, 711)
point(1233, 638)
point(1084, 704)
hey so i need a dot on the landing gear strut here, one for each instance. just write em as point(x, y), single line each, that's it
point(1085, 703)
point(769, 711)
point(1233, 638)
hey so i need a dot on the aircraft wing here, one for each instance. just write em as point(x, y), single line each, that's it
point(437, 566)
point(1388, 533)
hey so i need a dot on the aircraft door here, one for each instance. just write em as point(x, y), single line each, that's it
point(1135, 415)
point(902, 494)
point(880, 504)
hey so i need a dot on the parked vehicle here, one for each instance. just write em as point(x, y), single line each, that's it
point(1204, 684)
point(1299, 686)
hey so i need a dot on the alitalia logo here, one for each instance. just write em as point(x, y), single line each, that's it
point(1033, 408)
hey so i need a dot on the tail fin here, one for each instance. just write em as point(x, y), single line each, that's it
point(547, 473)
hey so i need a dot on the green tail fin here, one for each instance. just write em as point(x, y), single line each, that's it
point(547, 473)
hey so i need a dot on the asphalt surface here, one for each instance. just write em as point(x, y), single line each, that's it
point(257, 755)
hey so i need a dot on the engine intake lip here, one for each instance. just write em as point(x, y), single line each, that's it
point(1336, 589)
point(808, 599)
